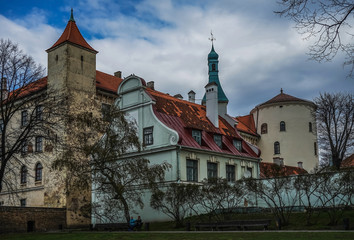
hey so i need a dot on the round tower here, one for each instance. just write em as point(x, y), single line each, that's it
point(288, 131)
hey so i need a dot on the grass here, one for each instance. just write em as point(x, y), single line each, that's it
point(182, 236)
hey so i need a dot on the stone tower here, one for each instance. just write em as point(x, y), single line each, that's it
point(72, 75)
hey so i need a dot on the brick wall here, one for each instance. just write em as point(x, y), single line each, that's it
point(24, 219)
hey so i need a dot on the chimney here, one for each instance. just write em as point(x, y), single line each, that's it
point(4, 92)
point(299, 165)
point(118, 74)
point(191, 96)
point(179, 96)
point(211, 95)
point(151, 85)
point(279, 161)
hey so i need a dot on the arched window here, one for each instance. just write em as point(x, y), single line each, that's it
point(213, 67)
point(23, 174)
point(39, 169)
point(276, 148)
point(264, 128)
point(310, 126)
point(282, 126)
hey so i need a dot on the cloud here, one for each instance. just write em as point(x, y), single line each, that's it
point(167, 42)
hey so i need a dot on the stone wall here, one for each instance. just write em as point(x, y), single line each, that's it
point(29, 219)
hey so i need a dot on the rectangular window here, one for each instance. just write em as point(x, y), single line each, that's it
point(238, 144)
point(218, 140)
point(39, 144)
point(39, 113)
point(230, 173)
point(192, 170)
point(23, 202)
point(148, 136)
point(212, 170)
point(315, 148)
point(24, 119)
point(24, 147)
point(105, 110)
point(250, 172)
point(310, 126)
point(197, 135)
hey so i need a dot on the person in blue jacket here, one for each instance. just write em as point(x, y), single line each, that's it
point(132, 223)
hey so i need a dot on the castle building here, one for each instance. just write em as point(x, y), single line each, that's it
point(284, 129)
point(72, 75)
point(200, 141)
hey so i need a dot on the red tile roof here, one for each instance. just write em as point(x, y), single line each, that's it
point(270, 170)
point(72, 34)
point(246, 124)
point(282, 97)
point(183, 116)
point(107, 82)
point(29, 89)
point(104, 81)
point(348, 162)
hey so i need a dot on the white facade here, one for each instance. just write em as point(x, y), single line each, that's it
point(297, 142)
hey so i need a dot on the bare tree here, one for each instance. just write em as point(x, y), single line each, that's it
point(277, 193)
point(220, 198)
point(335, 124)
point(28, 112)
point(111, 163)
point(326, 21)
point(175, 200)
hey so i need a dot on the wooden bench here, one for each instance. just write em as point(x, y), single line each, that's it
point(231, 225)
point(112, 226)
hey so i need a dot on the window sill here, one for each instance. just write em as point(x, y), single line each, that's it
point(37, 183)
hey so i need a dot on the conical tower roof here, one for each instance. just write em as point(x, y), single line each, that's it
point(72, 34)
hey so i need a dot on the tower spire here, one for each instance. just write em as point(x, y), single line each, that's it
point(72, 15)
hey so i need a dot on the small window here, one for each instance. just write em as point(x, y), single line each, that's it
point(212, 170)
point(24, 147)
point(38, 173)
point(213, 67)
point(276, 148)
point(230, 173)
point(23, 174)
point(218, 140)
point(250, 170)
point(315, 148)
point(39, 113)
point(197, 135)
point(238, 144)
point(310, 126)
point(39, 144)
point(148, 136)
point(282, 126)
point(23, 202)
point(24, 119)
point(105, 110)
point(192, 170)
point(264, 128)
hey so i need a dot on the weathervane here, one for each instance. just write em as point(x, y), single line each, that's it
point(212, 39)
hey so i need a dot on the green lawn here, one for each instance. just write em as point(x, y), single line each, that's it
point(182, 236)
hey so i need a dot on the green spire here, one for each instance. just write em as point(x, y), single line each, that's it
point(213, 65)
point(72, 16)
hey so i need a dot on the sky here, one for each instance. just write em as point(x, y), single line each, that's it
point(167, 41)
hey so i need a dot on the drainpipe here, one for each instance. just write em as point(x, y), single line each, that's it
point(257, 120)
point(178, 169)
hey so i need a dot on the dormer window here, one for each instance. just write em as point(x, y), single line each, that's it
point(218, 140)
point(197, 135)
point(238, 144)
